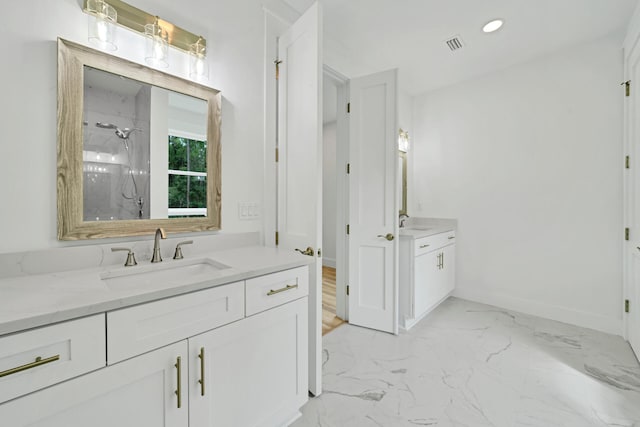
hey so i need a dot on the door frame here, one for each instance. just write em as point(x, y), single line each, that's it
point(342, 188)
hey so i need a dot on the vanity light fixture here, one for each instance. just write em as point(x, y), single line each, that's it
point(157, 51)
point(160, 33)
point(492, 26)
point(403, 141)
point(198, 68)
point(101, 26)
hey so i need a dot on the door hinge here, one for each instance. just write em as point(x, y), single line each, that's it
point(348, 229)
point(348, 107)
point(277, 155)
point(277, 62)
point(626, 306)
point(348, 168)
point(626, 233)
point(277, 238)
point(627, 87)
point(627, 162)
point(347, 290)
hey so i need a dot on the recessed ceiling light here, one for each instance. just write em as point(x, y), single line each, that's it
point(492, 26)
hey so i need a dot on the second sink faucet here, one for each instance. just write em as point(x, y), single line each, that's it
point(403, 218)
point(160, 234)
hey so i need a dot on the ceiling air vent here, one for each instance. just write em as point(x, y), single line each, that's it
point(454, 43)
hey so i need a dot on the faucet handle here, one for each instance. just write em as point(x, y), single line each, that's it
point(131, 258)
point(178, 254)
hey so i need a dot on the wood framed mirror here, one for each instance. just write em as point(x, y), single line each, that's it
point(138, 149)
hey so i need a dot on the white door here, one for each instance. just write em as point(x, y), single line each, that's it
point(248, 373)
point(632, 195)
point(299, 218)
point(373, 207)
point(138, 392)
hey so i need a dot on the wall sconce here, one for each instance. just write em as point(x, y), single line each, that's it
point(160, 33)
point(198, 68)
point(101, 28)
point(403, 141)
point(157, 51)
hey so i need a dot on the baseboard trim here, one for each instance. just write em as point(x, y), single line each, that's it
point(534, 308)
point(329, 262)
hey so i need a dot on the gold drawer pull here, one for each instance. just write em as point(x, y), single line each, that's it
point(452, 237)
point(424, 246)
point(201, 380)
point(178, 392)
point(39, 362)
point(277, 291)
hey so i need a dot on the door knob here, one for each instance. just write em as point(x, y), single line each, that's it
point(388, 236)
point(309, 251)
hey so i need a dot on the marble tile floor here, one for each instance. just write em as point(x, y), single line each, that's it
point(470, 364)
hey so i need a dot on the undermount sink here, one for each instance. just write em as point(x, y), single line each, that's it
point(417, 227)
point(168, 272)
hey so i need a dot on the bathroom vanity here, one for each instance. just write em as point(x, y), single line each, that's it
point(427, 267)
point(219, 338)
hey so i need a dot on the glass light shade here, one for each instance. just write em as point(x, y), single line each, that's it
point(403, 141)
point(492, 26)
point(102, 24)
point(198, 67)
point(157, 50)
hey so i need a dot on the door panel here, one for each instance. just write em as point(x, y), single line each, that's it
point(373, 207)
point(632, 200)
point(299, 216)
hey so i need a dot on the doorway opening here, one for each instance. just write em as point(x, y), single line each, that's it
point(334, 201)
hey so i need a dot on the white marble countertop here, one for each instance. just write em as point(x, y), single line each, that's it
point(40, 299)
point(416, 228)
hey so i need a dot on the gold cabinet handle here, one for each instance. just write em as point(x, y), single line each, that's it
point(309, 251)
point(387, 236)
point(201, 380)
point(451, 237)
point(178, 392)
point(277, 291)
point(424, 246)
point(38, 362)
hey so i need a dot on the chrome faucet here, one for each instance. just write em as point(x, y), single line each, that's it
point(403, 218)
point(160, 234)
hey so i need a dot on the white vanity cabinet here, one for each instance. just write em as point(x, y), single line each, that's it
point(192, 360)
point(427, 275)
point(139, 392)
point(252, 372)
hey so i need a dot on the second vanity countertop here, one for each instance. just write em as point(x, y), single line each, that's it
point(417, 228)
point(37, 300)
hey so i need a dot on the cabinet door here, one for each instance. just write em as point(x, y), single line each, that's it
point(254, 370)
point(427, 274)
point(140, 392)
point(448, 270)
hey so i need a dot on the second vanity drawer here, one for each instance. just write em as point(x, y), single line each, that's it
point(271, 290)
point(135, 330)
point(45, 356)
point(431, 243)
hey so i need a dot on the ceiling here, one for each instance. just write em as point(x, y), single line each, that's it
point(365, 36)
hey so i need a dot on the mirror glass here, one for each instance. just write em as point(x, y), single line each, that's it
point(138, 149)
point(144, 150)
point(402, 182)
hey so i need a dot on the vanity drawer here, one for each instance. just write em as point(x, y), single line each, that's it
point(45, 356)
point(431, 243)
point(135, 330)
point(275, 289)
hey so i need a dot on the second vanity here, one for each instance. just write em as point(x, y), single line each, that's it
point(427, 267)
point(225, 344)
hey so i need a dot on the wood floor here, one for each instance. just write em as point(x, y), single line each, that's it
point(329, 319)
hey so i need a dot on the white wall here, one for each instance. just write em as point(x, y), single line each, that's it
point(529, 160)
point(329, 196)
point(28, 174)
